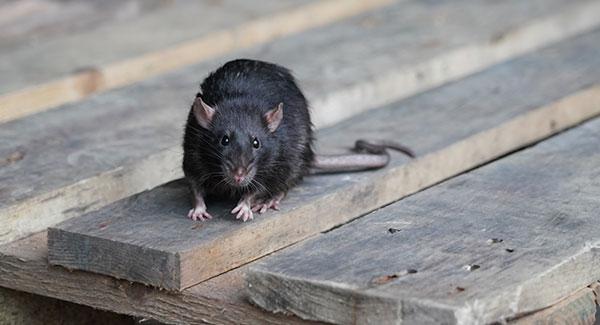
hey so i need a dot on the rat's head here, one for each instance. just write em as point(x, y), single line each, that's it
point(242, 140)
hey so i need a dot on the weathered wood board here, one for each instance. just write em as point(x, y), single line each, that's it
point(577, 309)
point(24, 267)
point(22, 308)
point(41, 71)
point(511, 237)
point(147, 238)
point(27, 21)
point(221, 300)
point(68, 162)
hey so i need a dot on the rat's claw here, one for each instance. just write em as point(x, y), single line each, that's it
point(257, 206)
point(199, 214)
point(243, 211)
point(245, 215)
point(263, 206)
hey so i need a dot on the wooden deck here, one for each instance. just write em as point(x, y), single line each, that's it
point(24, 266)
point(485, 225)
point(73, 164)
point(146, 239)
point(132, 41)
point(508, 238)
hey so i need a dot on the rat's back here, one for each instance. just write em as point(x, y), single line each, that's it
point(250, 78)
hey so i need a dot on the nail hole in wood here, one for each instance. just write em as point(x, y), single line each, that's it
point(384, 279)
point(389, 277)
point(12, 158)
point(494, 241)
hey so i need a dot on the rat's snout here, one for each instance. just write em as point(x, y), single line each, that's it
point(239, 175)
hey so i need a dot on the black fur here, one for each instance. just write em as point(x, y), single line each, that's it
point(241, 92)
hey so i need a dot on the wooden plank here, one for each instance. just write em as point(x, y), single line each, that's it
point(221, 300)
point(24, 308)
point(29, 21)
point(579, 308)
point(596, 288)
point(24, 267)
point(161, 41)
point(146, 238)
point(541, 206)
point(70, 163)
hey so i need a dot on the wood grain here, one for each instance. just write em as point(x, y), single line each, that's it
point(24, 267)
point(73, 163)
point(540, 205)
point(57, 72)
point(20, 308)
point(473, 121)
point(576, 309)
point(29, 21)
point(221, 300)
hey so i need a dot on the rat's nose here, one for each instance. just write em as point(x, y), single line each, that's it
point(239, 174)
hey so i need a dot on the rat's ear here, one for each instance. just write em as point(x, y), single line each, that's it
point(203, 112)
point(274, 117)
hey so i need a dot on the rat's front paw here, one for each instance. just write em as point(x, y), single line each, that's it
point(199, 213)
point(272, 203)
point(243, 211)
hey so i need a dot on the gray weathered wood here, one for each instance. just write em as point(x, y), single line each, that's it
point(221, 300)
point(576, 309)
point(42, 71)
point(541, 204)
point(69, 162)
point(24, 267)
point(147, 238)
point(19, 308)
point(25, 22)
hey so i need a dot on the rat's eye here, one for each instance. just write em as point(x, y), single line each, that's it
point(255, 143)
point(225, 140)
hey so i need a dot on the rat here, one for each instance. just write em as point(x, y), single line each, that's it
point(249, 135)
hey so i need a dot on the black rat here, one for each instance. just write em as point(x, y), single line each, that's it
point(249, 135)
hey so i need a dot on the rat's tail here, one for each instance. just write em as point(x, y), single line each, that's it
point(367, 155)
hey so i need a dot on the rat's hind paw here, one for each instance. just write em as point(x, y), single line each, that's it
point(199, 213)
point(243, 211)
